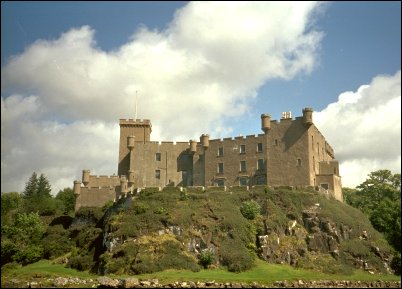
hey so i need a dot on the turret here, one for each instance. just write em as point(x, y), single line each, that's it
point(77, 188)
point(265, 122)
point(204, 140)
point(85, 177)
point(130, 142)
point(308, 116)
point(193, 146)
point(123, 184)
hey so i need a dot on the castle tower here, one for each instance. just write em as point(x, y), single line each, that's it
point(131, 131)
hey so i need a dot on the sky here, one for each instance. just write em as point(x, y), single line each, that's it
point(71, 70)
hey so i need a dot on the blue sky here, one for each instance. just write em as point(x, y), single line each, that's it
point(319, 53)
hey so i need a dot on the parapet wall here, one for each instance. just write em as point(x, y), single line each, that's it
point(95, 197)
point(103, 181)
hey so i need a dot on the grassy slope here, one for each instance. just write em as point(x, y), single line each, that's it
point(263, 273)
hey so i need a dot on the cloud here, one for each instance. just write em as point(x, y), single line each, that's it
point(67, 94)
point(364, 128)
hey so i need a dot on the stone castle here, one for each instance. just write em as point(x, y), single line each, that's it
point(290, 152)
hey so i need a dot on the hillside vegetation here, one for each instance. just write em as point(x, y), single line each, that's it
point(190, 229)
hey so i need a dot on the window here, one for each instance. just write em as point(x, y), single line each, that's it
point(242, 149)
point(260, 180)
point(157, 174)
point(299, 162)
point(220, 151)
point(260, 165)
point(158, 157)
point(324, 186)
point(220, 183)
point(276, 142)
point(259, 147)
point(243, 181)
point(220, 168)
point(242, 166)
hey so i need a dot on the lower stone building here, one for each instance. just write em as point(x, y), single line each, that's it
point(289, 152)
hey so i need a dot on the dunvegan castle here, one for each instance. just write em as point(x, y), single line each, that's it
point(289, 152)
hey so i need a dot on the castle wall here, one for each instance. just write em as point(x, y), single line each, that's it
point(175, 164)
point(287, 156)
point(319, 150)
point(231, 158)
point(95, 196)
point(199, 166)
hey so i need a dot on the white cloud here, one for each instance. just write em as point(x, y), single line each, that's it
point(191, 78)
point(364, 128)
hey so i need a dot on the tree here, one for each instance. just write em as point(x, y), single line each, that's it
point(21, 239)
point(43, 188)
point(10, 204)
point(67, 197)
point(31, 186)
point(379, 197)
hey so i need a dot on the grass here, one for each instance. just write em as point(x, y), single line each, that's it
point(262, 273)
point(46, 269)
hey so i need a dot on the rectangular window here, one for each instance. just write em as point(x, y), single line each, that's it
point(259, 147)
point(261, 181)
point(220, 151)
point(220, 168)
point(243, 166)
point(324, 186)
point(157, 174)
point(276, 142)
point(158, 157)
point(220, 183)
point(243, 181)
point(260, 165)
point(299, 162)
point(242, 149)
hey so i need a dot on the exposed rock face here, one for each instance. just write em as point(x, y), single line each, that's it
point(319, 235)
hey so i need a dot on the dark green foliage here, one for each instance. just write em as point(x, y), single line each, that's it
point(206, 258)
point(31, 187)
point(81, 262)
point(67, 197)
point(139, 208)
point(43, 188)
point(56, 242)
point(396, 264)
point(250, 209)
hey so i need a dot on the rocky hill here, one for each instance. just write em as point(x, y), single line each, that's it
point(157, 230)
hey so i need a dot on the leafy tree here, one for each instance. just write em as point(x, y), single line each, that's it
point(21, 240)
point(11, 203)
point(379, 196)
point(67, 198)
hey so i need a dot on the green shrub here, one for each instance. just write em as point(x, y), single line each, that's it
point(81, 262)
point(236, 257)
point(206, 258)
point(250, 209)
point(139, 208)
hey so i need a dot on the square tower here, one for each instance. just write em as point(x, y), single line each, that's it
point(131, 131)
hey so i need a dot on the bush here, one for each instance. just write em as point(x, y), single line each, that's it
point(236, 257)
point(250, 209)
point(139, 208)
point(206, 258)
